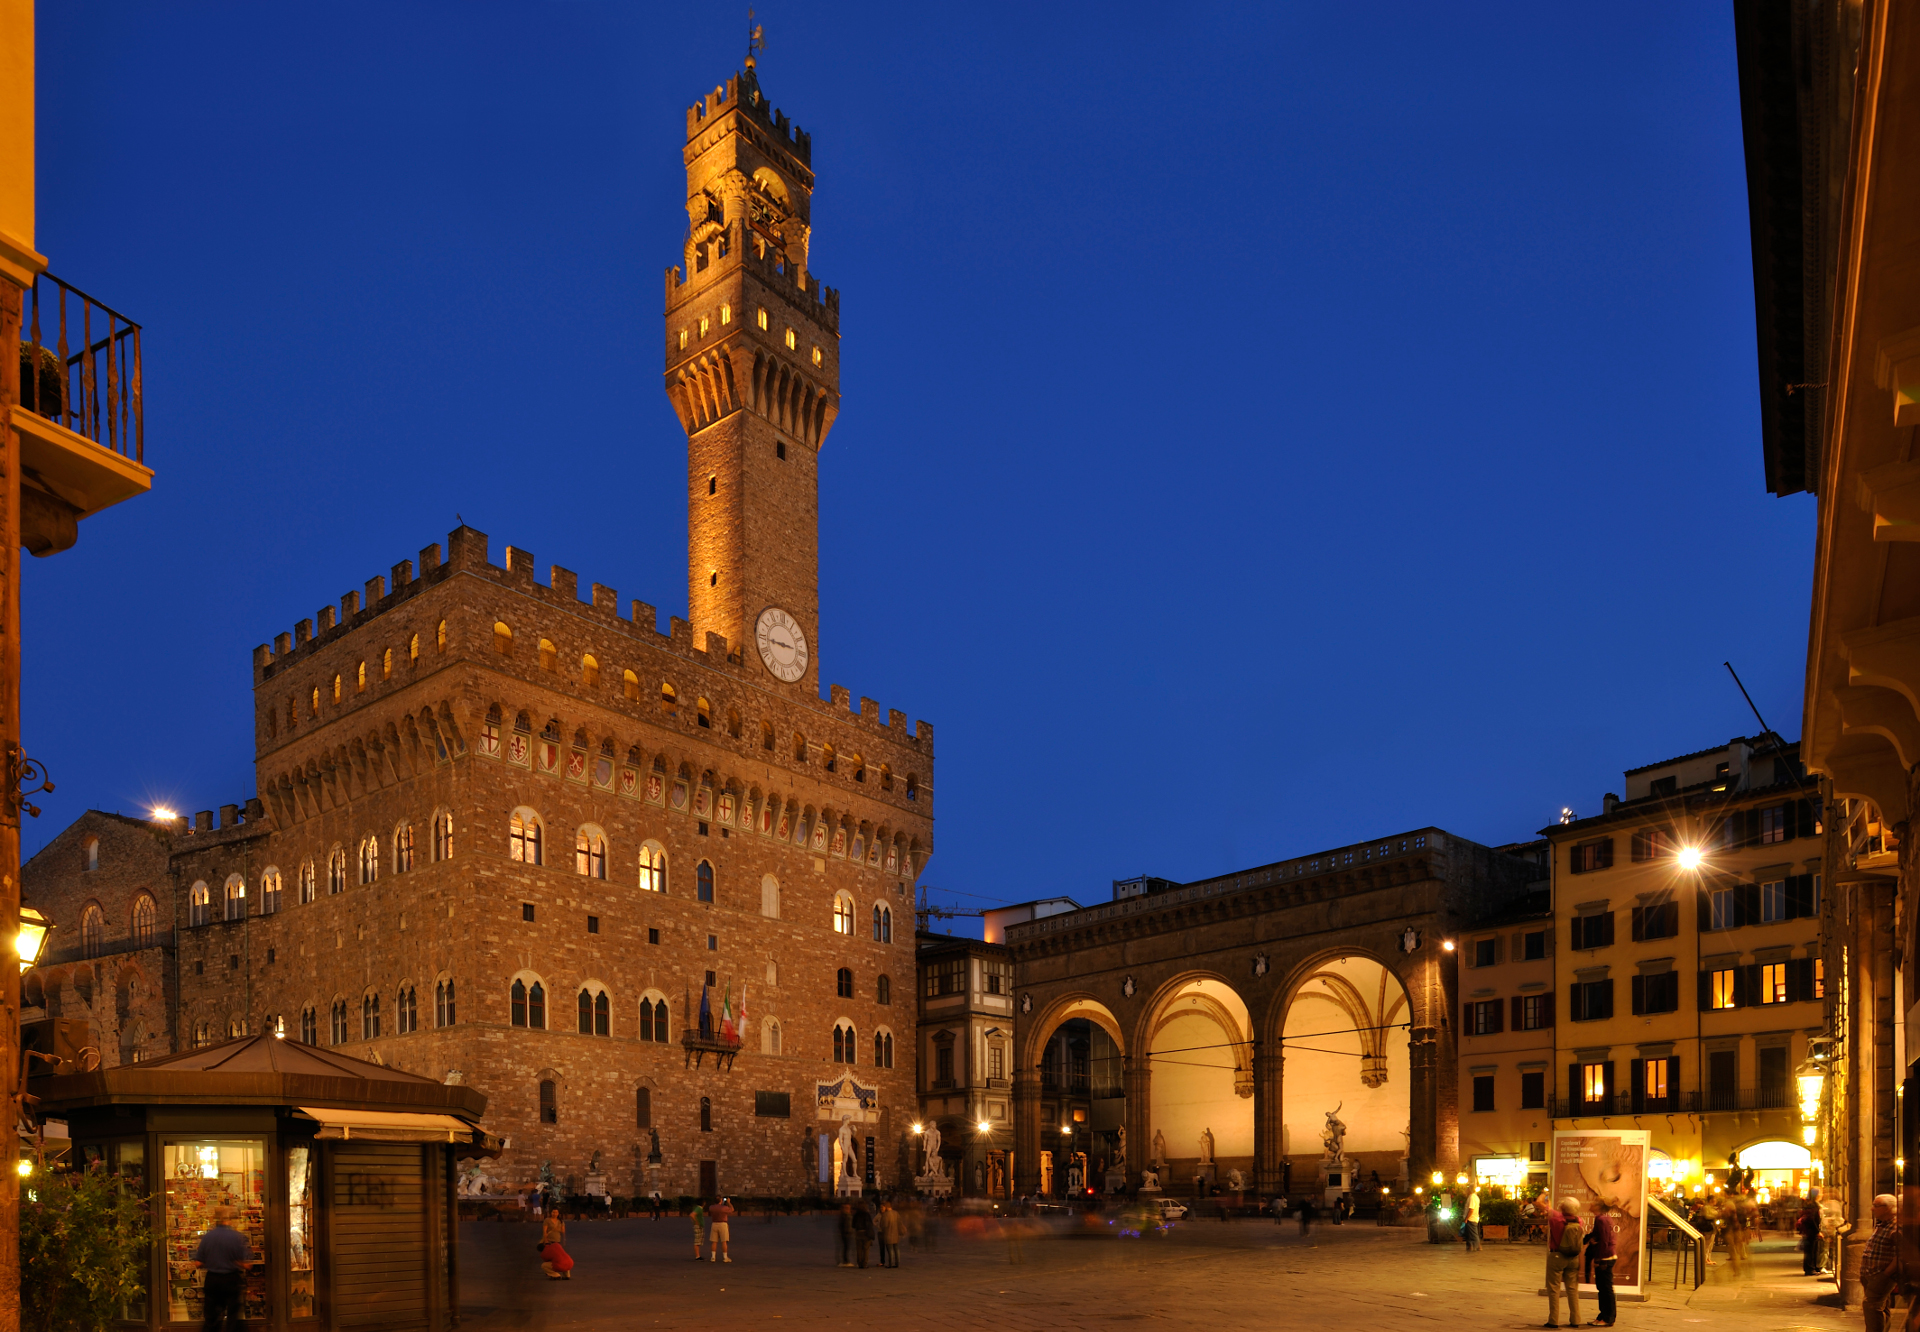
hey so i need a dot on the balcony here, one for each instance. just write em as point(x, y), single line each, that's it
point(699, 1042)
point(1748, 1099)
point(80, 415)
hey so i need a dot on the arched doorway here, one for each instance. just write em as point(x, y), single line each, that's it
point(1070, 1105)
point(1199, 1042)
point(1344, 1039)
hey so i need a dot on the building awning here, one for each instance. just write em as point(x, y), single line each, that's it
point(388, 1125)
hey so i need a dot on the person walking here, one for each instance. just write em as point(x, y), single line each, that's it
point(890, 1229)
point(653, 1204)
point(1470, 1222)
point(224, 1255)
point(862, 1233)
point(1600, 1258)
point(1279, 1208)
point(1306, 1216)
point(1880, 1270)
point(699, 1226)
point(555, 1261)
point(1563, 1262)
point(1808, 1226)
point(719, 1232)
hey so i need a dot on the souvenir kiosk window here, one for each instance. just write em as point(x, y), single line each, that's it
point(201, 1175)
point(300, 1301)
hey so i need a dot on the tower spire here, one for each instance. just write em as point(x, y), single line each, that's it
point(756, 39)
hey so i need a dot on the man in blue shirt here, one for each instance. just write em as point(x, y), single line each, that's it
point(224, 1255)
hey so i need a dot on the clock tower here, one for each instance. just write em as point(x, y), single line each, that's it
point(753, 371)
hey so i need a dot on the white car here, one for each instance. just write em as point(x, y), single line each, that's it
point(1172, 1209)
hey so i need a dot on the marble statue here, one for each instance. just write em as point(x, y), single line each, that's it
point(932, 1167)
point(1149, 1178)
point(1119, 1161)
point(846, 1152)
point(1159, 1147)
point(1206, 1146)
point(1236, 1181)
point(1334, 1135)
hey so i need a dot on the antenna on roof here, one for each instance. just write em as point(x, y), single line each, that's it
point(756, 39)
point(1767, 732)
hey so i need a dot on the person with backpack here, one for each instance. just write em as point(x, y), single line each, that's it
point(1563, 1262)
point(1600, 1258)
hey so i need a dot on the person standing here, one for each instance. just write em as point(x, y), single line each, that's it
point(1880, 1265)
point(1563, 1262)
point(555, 1261)
point(719, 1232)
point(1470, 1222)
point(224, 1255)
point(1600, 1259)
point(699, 1226)
point(862, 1233)
point(1306, 1216)
point(1809, 1227)
point(890, 1229)
point(846, 1234)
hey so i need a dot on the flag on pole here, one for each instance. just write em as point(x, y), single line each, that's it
point(706, 1012)
point(727, 1031)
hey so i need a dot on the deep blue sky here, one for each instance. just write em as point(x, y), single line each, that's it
point(1265, 427)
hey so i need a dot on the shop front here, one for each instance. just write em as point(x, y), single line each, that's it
point(339, 1173)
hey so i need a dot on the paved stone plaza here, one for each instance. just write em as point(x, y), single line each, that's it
point(640, 1274)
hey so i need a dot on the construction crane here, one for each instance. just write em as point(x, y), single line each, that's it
point(925, 911)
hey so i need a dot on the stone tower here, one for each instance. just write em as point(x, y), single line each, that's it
point(753, 369)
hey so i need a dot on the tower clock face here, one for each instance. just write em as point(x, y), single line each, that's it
point(783, 647)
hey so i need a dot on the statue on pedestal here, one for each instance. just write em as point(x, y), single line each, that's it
point(1159, 1148)
point(932, 1167)
point(1334, 1135)
point(1206, 1146)
point(1150, 1178)
point(1236, 1181)
point(1119, 1161)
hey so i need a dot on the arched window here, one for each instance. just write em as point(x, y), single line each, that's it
point(406, 1015)
point(502, 638)
point(630, 685)
point(200, 904)
point(337, 694)
point(370, 860)
point(733, 723)
point(882, 1049)
point(142, 921)
point(337, 870)
point(443, 1007)
point(846, 1046)
point(339, 1022)
point(439, 637)
point(859, 766)
point(703, 712)
point(886, 777)
point(549, 1101)
point(519, 1003)
point(913, 787)
point(876, 924)
point(842, 914)
point(883, 990)
point(773, 972)
point(596, 1013)
point(309, 1026)
point(589, 671)
point(403, 848)
point(386, 664)
point(91, 850)
point(653, 1020)
point(523, 837)
point(537, 1006)
point(413, 650)
point(270, 892)
point(590, 853)
point(360, 679)
point(443, 835)
point(706, 1114)
point(653, 868)
point(843, 983)
point(766, 736)
point(549, 655)
point(643, 1107)
point(770, 1037)
point(369, 1016)
point(828, 760)
point(886, 925)
point(236, 897)
point(313, 703)
point(769, 897)
point(703, 881)
point(93, 931)
point(799, 748)
point(307, 891)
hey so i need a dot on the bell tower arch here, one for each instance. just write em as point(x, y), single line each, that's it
point(753, 371)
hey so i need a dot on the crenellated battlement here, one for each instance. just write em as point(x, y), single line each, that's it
point(793, 284)
point(742, 93)
point(466, 554)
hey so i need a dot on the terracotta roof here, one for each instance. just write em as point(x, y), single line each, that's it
point(270, 1054)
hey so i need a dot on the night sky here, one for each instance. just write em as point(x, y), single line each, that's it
point(1264, 427)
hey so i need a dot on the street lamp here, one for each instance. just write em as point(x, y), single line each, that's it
point(32, 937)
point(1689, 858)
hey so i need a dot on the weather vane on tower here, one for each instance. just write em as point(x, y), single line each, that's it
point(756, 40)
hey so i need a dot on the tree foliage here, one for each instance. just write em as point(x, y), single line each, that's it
point(83, 1249)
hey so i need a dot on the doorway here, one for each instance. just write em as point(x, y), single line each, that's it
point(709, 1179)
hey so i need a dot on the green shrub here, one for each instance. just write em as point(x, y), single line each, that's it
point(1499, 1211)
point(83, 1249)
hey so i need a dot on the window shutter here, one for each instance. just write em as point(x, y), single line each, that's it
point(1706, 912)
point(1573, 934)
point(1799, 979)
point(1802, 818)
point(1673, 1080)
point(1546, 1009)
point(1799, 896)
point(1606, 999)
point(1637, 1082)
point(1639, 927)
point(1517, 1014)
point(1746, 899)
point(1706, 991)
point(1466, 1019)
point(1574, 1098)
point(1606, 854)
point(1606, 927)
point(1546, 938)
point(1639, 995)
point(1606, 1081)
point(1495, 1013)
point(1574, 1012)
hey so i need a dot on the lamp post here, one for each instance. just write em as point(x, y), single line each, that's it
point(31, 937)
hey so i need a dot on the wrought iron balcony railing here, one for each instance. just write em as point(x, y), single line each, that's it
point(699, 1042)
point(80, 367)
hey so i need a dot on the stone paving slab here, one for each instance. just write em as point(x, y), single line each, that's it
point(638, 1275)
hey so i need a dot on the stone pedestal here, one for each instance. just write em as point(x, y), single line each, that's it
point(934, 1186)
point(1114, 1182)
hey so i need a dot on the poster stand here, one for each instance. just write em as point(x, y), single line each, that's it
point(1609, 1165)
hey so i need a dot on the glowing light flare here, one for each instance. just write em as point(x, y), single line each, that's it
point(161, 814)
point(984, 1126)
point(30, 938)
point(25, 1167)
point(1447, 944)
point(1689, 858)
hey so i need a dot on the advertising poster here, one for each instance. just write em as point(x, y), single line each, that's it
point(1610, 1165)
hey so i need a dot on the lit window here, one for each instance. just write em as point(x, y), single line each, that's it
point(403, 848)
point(502, 639)
point(336, 689)
point(523, 838)
point(653, 869)
point(843, 914)
point(726, 315)
point(703, 326)
point(590, 854)
point(270, 892)
point(1819, 978)
point(590, 671)
point(1773, 983)
point(683, 339)
point(1655, 1075)
point(370, 860)
point(760, 318)
point(1593, 1083)
point(549, 655)
point(1723, 989)
point(360, 680)
point(386, 664)
point(236, 897)
point(439, 639)
point(443, 835)
point(413, 650)
point(817, 357)
point(314, 705)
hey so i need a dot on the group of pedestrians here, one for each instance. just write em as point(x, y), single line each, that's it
point(715, 1224)
point(1578, 1251)
point(859, 1227)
